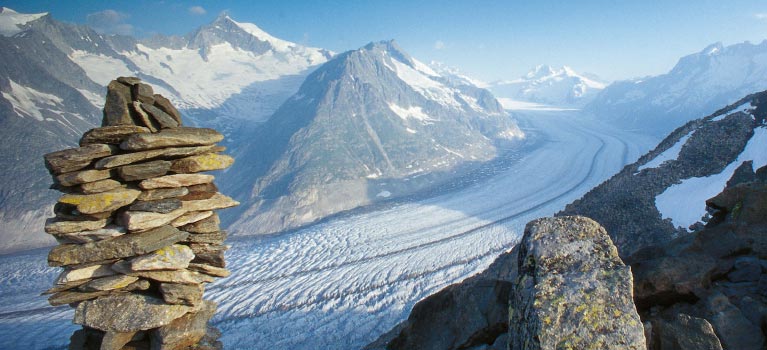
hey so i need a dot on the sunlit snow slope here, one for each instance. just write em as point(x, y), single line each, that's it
point(340, 283)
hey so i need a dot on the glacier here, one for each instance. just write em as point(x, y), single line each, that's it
point(342, 282)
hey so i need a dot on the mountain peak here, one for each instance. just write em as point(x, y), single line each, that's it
point(11, 21)
point(540, 71)
point(713, 49)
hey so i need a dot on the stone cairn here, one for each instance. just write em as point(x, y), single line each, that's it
point(138, 234)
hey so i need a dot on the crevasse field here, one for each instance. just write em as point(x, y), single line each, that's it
point(341, 283)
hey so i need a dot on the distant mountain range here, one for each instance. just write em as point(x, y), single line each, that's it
point(546, 85)
point(698, 85)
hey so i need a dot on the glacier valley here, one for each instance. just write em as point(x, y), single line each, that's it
point(340, 283)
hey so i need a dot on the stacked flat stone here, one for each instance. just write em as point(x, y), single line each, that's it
point(138, 234)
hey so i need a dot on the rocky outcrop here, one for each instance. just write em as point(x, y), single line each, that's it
point(709, 288)
point(626, 203)
point(565, 274)
point(138, 234)
point(573, 291)
point(470, 314)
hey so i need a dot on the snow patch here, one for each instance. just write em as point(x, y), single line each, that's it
point(11, 21)
point(425, 86)
point(27, 101)
point(413, 112)
point(685, 203)
point(670, 154)
point(384, 194)
point(745, 108)
point(515, 105)
point(100, 68)
point(252, 29)
point(94, 98)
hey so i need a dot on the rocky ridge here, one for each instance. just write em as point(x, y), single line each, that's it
point(701, 287)
point(138, 234)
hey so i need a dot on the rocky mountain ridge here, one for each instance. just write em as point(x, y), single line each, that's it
point(369, 125)
point(700, 287)
point(699, 84)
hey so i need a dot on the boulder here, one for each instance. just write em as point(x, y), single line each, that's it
point(166, 106)
point(135, 157)
point(146, 220)
point(573, 291)
point(177, 137)
point(202, 191)
point(57, 226)
point(127, 313)
point(683, 332)
point(745, 269)
point(169, 276)
point(101, 202)
point(143, 117)
point(202, 162)
point(191, 217)
point(157, 206)
point(185, 331)
point(163, 193)
point(115, 248)
point(144, 170)
point(92, 236)
point(113, 135)
point(184, 294)
point(207, 225)
point(100, 186)
point(116, 110)
point(735, 331)
point(84, 273)
point(209, 270)
point(173, 257)
point(163, 119)
point(217, 201)
point(81, 177)
point(177, 180)
point(108, 283)
point(74, 159)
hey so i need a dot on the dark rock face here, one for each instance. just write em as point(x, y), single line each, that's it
point(709, 279)
point(573, 291)
point(463, 315)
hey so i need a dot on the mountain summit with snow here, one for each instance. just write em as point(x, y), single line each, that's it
point(697, 85)
point(547, 85)
point(12, 22)
point(53, 79)
point(370, 124)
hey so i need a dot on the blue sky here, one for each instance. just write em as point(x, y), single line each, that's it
point(488, 40)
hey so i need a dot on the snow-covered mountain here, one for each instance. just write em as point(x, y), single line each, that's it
point(370, 124)
point(546, 85)
point(52, 85)
point(698, 85)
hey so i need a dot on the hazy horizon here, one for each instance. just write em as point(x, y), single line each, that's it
point(486, 40)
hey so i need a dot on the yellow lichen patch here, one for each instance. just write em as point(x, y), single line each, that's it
point(101, 202)
point(203, 162)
